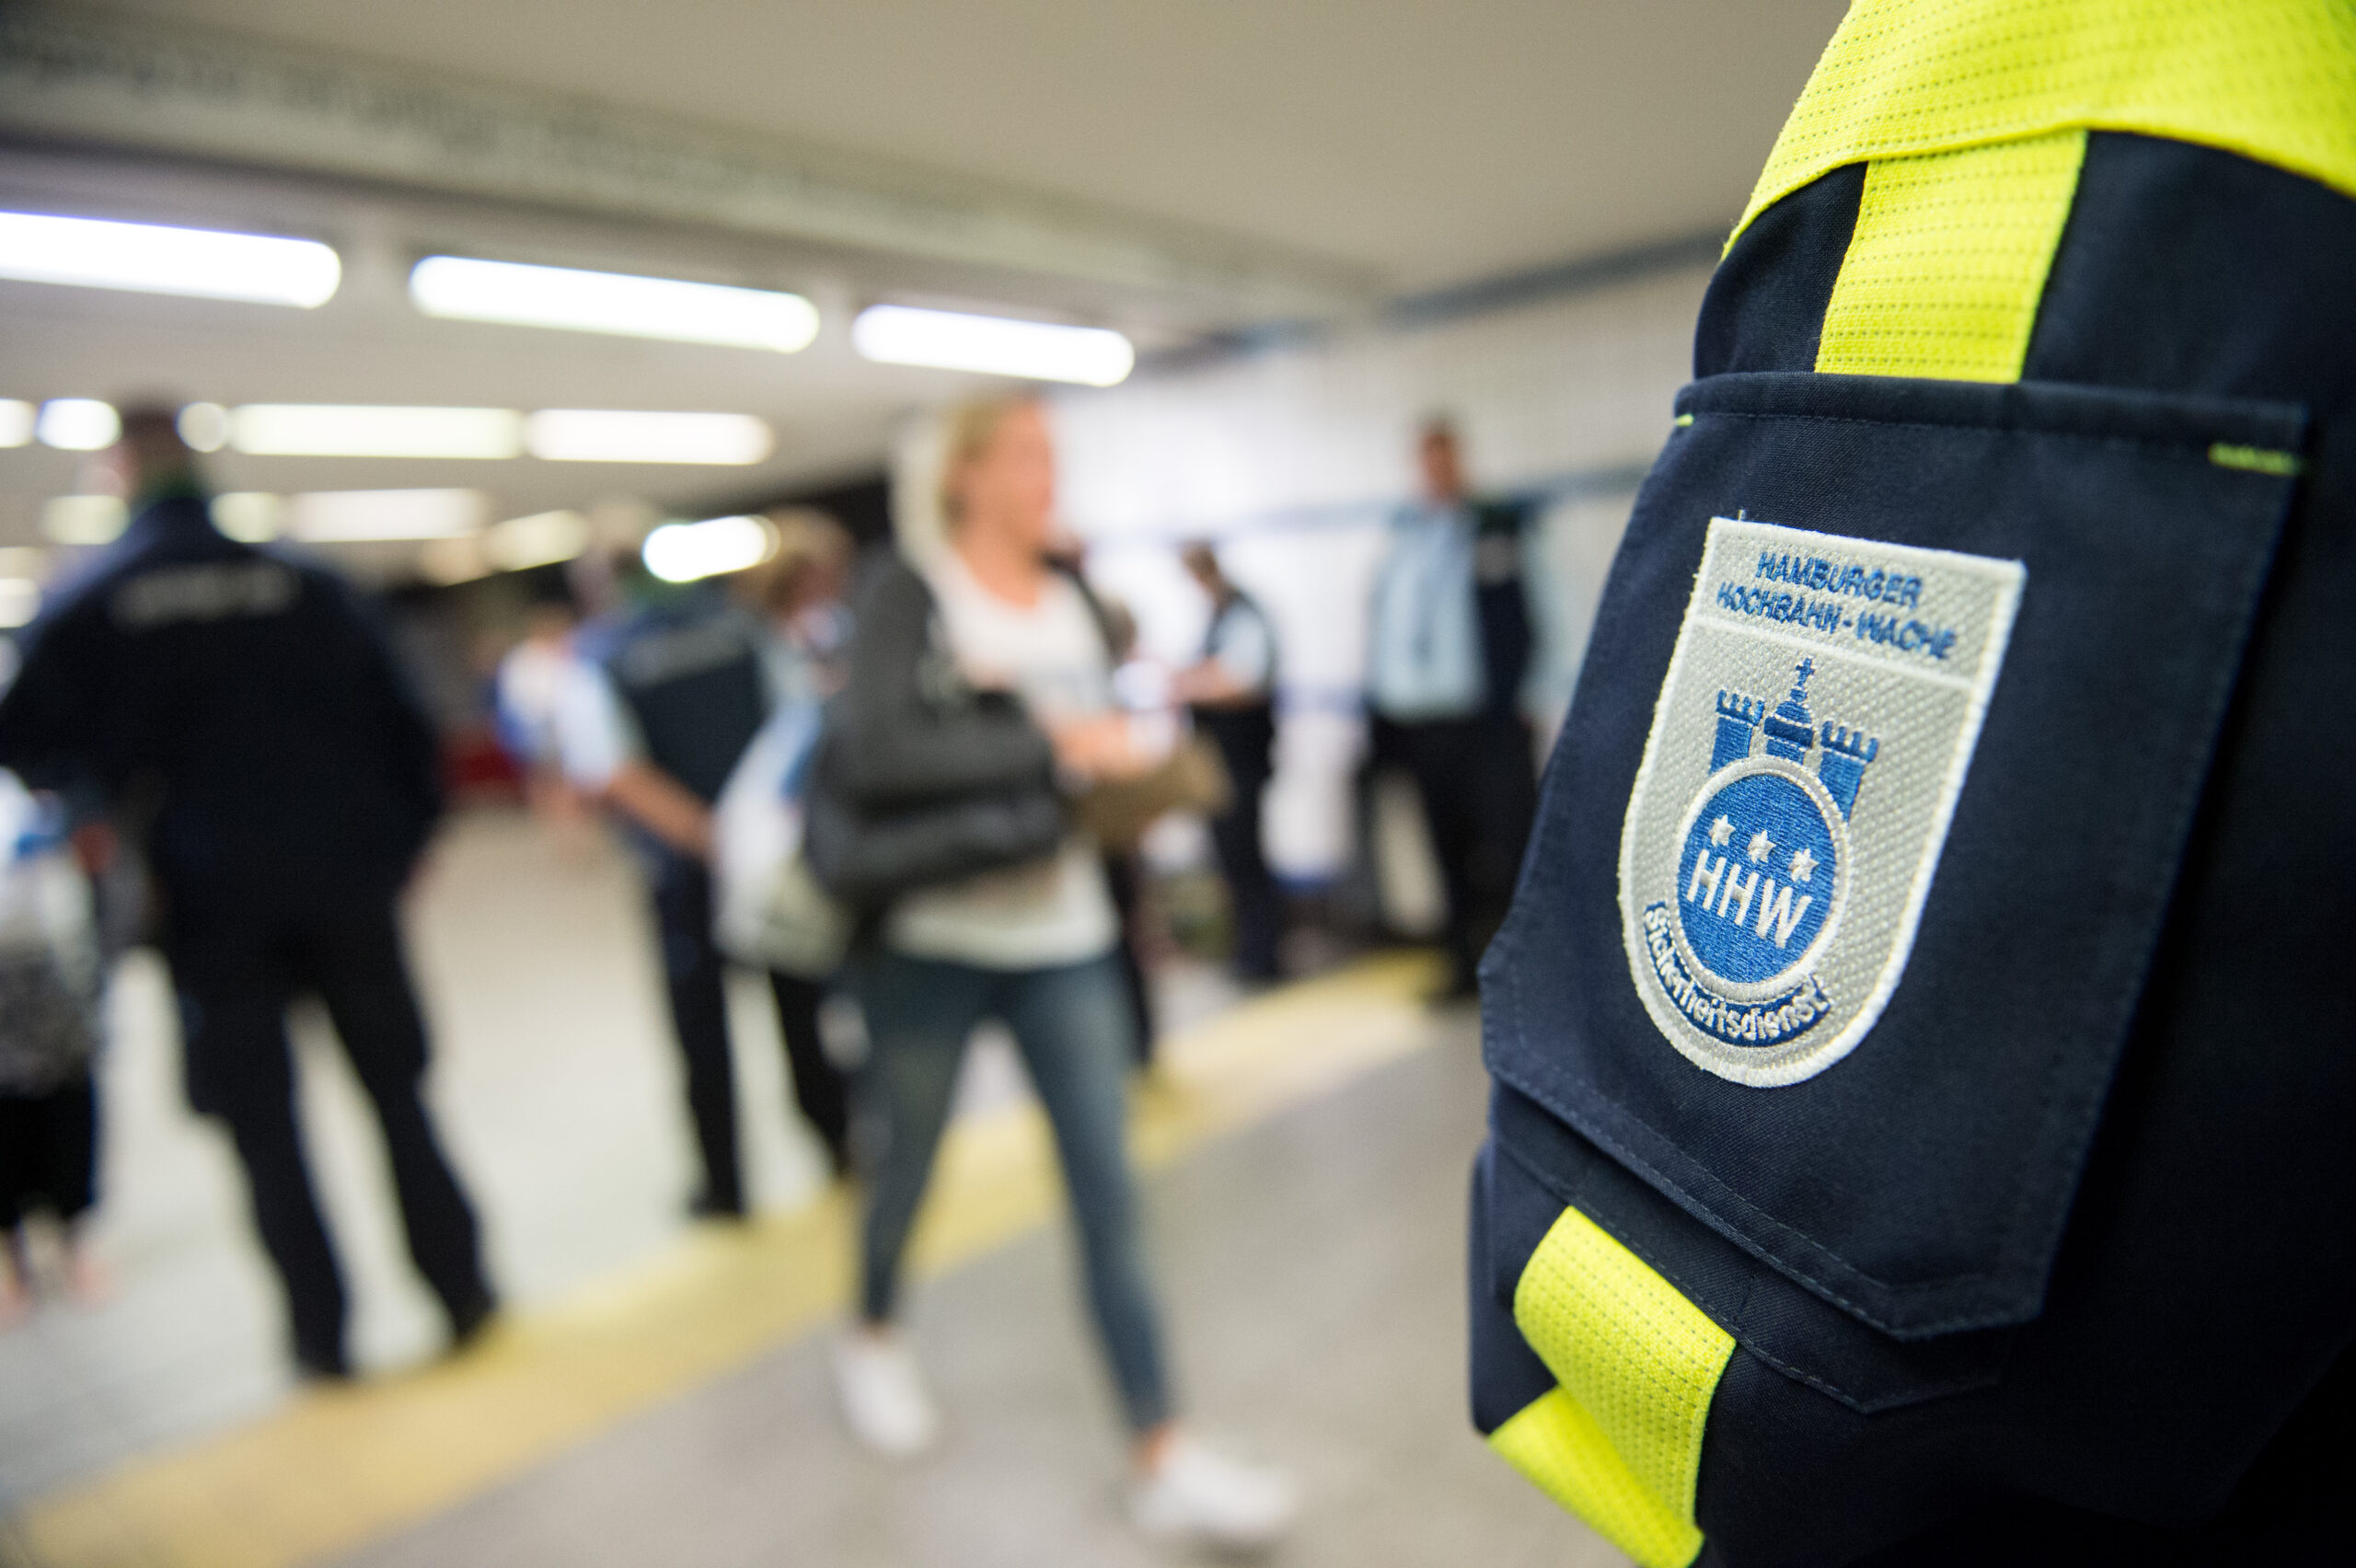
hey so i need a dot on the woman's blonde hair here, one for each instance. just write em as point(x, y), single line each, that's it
point(966, 433)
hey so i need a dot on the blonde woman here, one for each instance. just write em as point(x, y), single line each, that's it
point(1032, 944)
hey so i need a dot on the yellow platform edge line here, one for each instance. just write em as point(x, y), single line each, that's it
point(334, 1470)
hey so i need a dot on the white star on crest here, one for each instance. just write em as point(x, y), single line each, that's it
point(1720, 831)
point(1761, 847)
point(1803, 865)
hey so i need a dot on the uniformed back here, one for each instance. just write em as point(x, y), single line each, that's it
point(1244, 732)
point(690, 676)
point(244, 697)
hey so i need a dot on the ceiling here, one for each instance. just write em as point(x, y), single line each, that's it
point(1348, 149)
point(1428, 143)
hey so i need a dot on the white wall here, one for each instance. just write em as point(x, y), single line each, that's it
point(1293, 456)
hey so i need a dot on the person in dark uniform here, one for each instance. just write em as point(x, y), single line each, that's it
point(667, 697)
point(1231, 692)
point(1448, 646)
point(1922, 1062)
point(239, 708)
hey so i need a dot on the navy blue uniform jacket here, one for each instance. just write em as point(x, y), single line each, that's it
point(239, 706)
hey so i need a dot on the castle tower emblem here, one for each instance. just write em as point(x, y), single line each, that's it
point(1771, 878)
point(1791, 734)
point(1763, 862)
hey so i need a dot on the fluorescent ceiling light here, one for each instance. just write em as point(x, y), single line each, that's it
point(338, 517)
point(542, 539)
point(254, 517)
point(84, 519)
point(994, 345)
point(330, 430)
point(16, 422)
point(77, 424)
point(468, 289)
point(205, 426)
point(151, 258)
point(609, 435)
point(683, 552)
point(20, 601)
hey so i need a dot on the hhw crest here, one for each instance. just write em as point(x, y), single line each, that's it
point(1806, 755)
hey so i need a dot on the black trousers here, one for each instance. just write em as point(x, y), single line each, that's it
point(1245, 737)
point(1479, 790)
point(695, 975)
point(1125, 882)
point(49, 1150)
point(235, 966)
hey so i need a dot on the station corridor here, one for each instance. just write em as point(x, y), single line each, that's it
point(659, 1392)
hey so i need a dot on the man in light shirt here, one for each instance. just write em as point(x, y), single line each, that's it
point(1448, 648)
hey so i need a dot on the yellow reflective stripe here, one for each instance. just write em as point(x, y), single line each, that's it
point(2273, 80)
point(2258, 460)
point(1558, 1446)
point(1948, 260)
point(1620, 1442)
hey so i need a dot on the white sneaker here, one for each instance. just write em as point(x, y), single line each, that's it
point(884, 1396)
point(1205, 1497)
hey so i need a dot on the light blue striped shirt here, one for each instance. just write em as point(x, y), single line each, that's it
point(1424, 644)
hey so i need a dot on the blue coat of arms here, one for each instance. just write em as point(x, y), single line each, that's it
point(1806, 755)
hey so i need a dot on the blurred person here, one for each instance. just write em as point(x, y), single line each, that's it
point(527, 685)
point(801, 594)
point(1231, 692)
point(1125, 873)
point(1125, 877)
point(668, 694)
point(52, 984)
point(239, 710)
point(1921, 1055)
point(1032, 945)
point(1449, 645)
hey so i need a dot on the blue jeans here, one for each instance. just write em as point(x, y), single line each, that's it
point(1073, 1026)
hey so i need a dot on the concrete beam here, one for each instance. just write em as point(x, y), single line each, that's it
point(73, 78)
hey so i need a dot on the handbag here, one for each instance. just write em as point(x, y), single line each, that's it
point(768, 909)
point(51, 973)
point(868, 855)
point(920, 780)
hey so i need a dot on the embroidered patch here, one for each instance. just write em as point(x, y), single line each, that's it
point(1806, 755)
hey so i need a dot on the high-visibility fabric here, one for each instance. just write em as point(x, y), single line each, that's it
point(1620, 1442)
point(1948, 260)
point(1556, 1444)
point(2273, 80)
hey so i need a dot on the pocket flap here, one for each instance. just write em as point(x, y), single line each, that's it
point(1867, 812)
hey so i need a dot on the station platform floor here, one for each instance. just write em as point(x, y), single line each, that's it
point(657, 1391)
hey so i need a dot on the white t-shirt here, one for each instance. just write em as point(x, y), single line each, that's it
point(529, 689)
point(594, 734)
point(1051, 911)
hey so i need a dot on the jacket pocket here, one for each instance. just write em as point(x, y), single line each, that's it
point(1867, 812)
